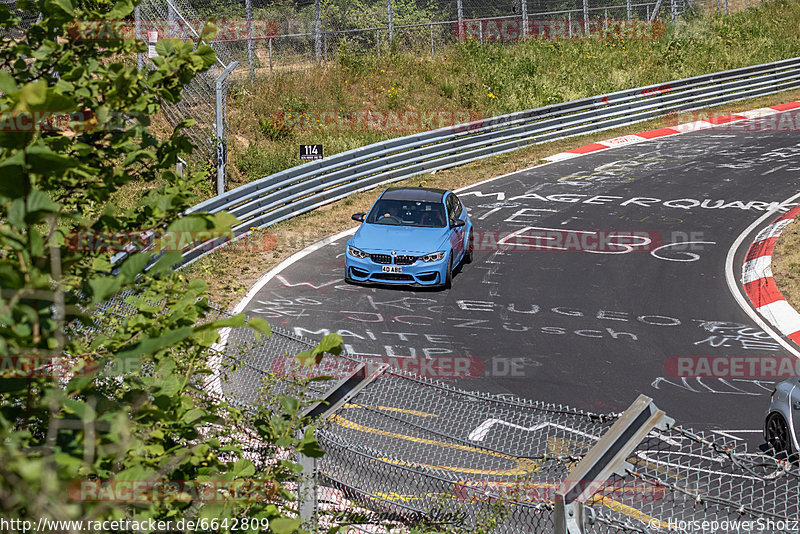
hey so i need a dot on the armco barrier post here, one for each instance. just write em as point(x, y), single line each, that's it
point(222, 156)
point(606, 458)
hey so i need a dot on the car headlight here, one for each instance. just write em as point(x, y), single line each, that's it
point(353, 251)
point(436, 256)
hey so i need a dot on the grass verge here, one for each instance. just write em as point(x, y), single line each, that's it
point(323, 105)
point(786, 263)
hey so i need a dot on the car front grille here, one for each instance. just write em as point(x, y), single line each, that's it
point(405, 260)
point(381, 258)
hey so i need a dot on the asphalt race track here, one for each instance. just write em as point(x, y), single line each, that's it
point(609, 267)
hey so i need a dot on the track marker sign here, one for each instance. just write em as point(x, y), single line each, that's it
point(310, 151)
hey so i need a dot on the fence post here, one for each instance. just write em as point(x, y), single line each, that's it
point(307, 489)
point(317, 30)
point(390, 12)
point(569, 24)
point(270, 56)
point(171, 19)
point(378, 41)
point(630, 9)
point(222, 156)
point(460, 14)
point(138, 30)
point(726, 7)
point(648, 10)
point(250, 56)
point(431, 39)
point(606, 458)
point(655, 10)
point(339, 393)
point(586, 17)
point(674, 8)
point(524, 19)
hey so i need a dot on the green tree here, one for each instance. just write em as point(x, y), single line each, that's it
point(130, 403)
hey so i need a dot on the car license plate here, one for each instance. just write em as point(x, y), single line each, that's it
point(392, 269)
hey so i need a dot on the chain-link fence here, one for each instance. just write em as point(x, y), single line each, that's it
point(284, 36)
point(405, 449)
point(204, 98)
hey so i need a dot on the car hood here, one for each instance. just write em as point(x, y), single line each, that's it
point(412, 239)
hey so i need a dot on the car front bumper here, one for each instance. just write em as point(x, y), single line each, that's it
point(419, 273)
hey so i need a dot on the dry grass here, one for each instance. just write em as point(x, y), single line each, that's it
point(231, 274)
point(786, 263)
point(483, 81)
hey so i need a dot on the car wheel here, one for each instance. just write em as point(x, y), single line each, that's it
point(470, 248)
point(778, 438)
point(448, 278)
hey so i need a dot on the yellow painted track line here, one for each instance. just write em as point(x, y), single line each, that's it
point(391, 409)
point(630, 511)
point(525, 467)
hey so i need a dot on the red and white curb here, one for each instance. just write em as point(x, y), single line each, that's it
point(711, 122)
point(759, 285)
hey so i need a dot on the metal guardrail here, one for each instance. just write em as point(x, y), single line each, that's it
point(303, 188)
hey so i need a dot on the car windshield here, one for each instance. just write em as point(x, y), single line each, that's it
point(407, 213)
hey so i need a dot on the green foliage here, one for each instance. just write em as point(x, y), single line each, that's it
point(273, 128)
point(127, 402)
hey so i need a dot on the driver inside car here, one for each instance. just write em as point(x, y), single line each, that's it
point(391, 211)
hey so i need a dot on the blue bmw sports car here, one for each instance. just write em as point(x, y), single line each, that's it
point(411, 236)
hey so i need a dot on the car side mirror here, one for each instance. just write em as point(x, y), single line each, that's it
point(358, 217)
point(456, 223)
